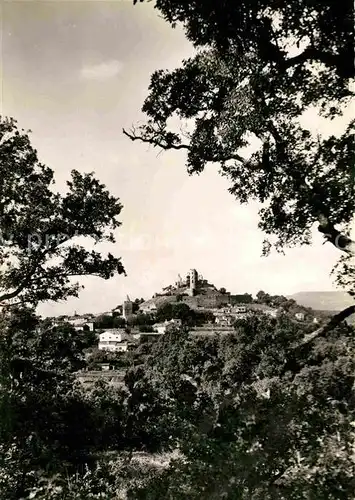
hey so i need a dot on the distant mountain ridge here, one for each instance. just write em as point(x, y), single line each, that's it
point(323, 301)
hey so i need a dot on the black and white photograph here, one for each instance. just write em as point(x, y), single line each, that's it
point(177, 250)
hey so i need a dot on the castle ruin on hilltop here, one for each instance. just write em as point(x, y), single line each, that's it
point(194, 290)
point(191, 285)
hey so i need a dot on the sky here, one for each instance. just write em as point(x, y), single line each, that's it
point(76, 73)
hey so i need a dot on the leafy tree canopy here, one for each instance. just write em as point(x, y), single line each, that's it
point(105, 321)
point(255, 419)
point(324, 29)
point(243, 100)
point(142, 319)
point(38, 253)
point(245, 298)
point(38, 402)
point(170, 311)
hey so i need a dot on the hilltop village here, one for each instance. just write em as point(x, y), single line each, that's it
point(190, 303)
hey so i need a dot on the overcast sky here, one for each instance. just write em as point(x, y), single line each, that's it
point(76, 73)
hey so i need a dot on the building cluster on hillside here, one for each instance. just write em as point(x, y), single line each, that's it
point(194, 291)
point(79, 323)
point(227, 316)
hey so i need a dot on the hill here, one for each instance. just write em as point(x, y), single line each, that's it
point(323, 301)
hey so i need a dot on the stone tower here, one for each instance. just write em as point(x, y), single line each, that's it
point(193, 282)
point(127, 309)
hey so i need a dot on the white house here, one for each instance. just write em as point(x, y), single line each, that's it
point(225, 320)
point(272, 312)
point(161, 328)
point(241, 316)
point(264, 309)
point(105, 367)
point(300, 316)
point(222, 313)
point(240, 312)
point(114, 341)
point(225, 310)
point(239, 309)
point(80, 323)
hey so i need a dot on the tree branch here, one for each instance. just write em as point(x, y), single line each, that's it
point(160, 144)
point(334, 236)
point(11, 295)
point(330, 60)
point(154, 142)
point(27, 279)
